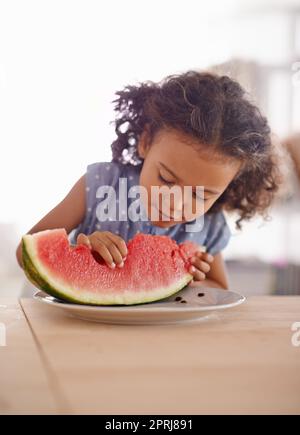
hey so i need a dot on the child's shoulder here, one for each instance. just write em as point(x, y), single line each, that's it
point(110, 169)
point(103, 168)
point(110, 173)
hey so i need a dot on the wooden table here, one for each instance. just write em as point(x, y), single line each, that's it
point(239, 361)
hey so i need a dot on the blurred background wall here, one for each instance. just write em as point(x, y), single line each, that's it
point(62, 61)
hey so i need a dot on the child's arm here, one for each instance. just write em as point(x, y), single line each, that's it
point(210, 273)
point(67, 214)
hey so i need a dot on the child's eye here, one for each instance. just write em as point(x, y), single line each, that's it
point(165, 181)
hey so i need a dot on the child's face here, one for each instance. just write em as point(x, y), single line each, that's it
point(189, 166)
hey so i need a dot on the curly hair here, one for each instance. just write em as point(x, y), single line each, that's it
point(215, 111)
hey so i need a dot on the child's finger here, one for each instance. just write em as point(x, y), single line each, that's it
point(99, 246)
point(82, 239)
point(207, 257)
point(113, 249)
point(197, 274)
point(201, 265)
point(119, 242)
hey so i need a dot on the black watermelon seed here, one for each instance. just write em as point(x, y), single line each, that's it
point(183, 302)
point(200, 295)
point(178, 298)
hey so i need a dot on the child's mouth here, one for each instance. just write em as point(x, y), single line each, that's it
point(161, 215)
point(163, 218)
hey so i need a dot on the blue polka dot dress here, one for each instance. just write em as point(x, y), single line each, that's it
point(214, 233)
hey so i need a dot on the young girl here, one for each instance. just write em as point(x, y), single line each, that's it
point(191, 129)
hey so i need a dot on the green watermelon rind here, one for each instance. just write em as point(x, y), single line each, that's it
point(37, 279)
point(41, 281)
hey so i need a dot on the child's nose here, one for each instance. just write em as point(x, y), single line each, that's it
point(178, 204)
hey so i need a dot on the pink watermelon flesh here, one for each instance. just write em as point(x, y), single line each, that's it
point(156, 267)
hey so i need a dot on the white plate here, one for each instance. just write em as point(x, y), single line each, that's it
point(168, 310)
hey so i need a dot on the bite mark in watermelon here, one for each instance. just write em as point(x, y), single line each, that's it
point(156, 267)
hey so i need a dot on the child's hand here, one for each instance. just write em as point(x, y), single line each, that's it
point(110, 247)
point(200, 265)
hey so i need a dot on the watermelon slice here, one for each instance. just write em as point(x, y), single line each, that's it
point(156, 267)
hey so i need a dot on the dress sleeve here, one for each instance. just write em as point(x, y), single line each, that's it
point(218, 234)
point(97, 174)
